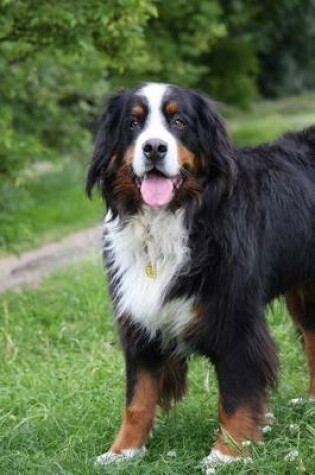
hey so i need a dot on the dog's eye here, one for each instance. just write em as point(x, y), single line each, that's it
point(134, 124)
point(178, 123)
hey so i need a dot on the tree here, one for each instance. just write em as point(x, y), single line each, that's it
point(55, 58)
point(281, 36)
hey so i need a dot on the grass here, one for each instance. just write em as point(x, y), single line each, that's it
point(47, 206)
point(267, 120)
point(63, 383)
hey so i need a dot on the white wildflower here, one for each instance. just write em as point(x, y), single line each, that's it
point(171, 453)
point(299, 401)
point(266, 429)
point(209, 471)
point(269, 417)
point(294, 428)
point(291, 456)
point(246, 443)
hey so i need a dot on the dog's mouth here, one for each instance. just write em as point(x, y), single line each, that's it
point(157, 189)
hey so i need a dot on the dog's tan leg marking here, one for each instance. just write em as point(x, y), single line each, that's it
point(235, 429)
point(139, 414)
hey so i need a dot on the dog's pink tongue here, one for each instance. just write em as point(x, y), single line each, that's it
point(156, 190)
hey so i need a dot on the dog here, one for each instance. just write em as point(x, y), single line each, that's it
point(199, 237)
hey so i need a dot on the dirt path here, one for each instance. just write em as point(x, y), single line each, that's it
point(29, 268)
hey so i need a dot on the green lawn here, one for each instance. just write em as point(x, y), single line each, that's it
point(47, 206)
point(267, 120)
point(62, 385)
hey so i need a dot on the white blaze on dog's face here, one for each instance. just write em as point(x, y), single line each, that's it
point(155, 160)
point(155, 129)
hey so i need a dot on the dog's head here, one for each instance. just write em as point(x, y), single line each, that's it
point(160, 145)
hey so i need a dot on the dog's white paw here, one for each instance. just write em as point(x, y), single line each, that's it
point(216, 458)
point(111, 457)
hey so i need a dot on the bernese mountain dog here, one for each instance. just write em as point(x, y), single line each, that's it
point(199, 237)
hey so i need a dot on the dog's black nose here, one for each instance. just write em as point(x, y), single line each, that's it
point(155, 149)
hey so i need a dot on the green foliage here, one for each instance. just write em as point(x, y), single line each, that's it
point(283, 36)
point(54, 57)
point(234, 69)
point(287, 57)
point(15, 147)
point(58, 58)
point(112, 27)
point(190, 44)
point(181, 33)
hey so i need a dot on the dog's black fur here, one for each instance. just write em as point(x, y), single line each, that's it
point(251, 220)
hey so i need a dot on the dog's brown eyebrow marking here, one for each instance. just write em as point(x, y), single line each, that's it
point(171, 107)
point(138, 110)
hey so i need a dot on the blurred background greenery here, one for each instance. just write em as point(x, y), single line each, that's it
point(59, 58)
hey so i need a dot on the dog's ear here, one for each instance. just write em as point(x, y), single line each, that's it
point(106, 140)
point(218, 151)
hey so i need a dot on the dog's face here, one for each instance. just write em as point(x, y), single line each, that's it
point(159, 145)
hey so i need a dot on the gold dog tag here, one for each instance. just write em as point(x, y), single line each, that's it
point(150, 271)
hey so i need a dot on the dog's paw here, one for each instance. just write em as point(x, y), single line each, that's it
point(216, 458)
point(110, 457)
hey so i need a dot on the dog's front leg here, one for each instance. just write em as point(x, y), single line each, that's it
point(142, 395)
point(142, 398)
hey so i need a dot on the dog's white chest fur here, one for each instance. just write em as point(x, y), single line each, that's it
point(146, 254)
